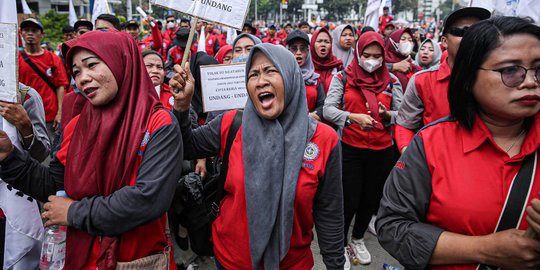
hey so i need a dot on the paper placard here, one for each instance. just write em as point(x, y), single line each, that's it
point(223, 87)
point(227, 12)
point(8, 62)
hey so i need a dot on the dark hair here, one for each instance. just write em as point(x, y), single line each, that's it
point(149, 52)
point(185, 20)
point(171, 16)
point(367, 29)
point(386, 8)
point(68, 29)
point(476, 46)
point(110, 18)
point(302, 23)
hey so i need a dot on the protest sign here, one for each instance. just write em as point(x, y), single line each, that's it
point(223, 87)
point(8, 62)
point(227, 12)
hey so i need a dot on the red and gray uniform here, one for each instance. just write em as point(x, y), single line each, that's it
point(315, 98)
point(425, 101)
point(317, 199)
point(449, 179)
point(126, 212)
point(154, 40)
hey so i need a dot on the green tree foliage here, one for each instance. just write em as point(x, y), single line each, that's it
point(337, 9)
point(405, 5)
point(53, 24)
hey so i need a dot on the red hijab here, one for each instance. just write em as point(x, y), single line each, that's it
point(222, 52)
point(393, 56)
point(373, 83)
point(324, 66)
point(104, 145)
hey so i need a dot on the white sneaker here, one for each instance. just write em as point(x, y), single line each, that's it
point(371, 226)
point(360, 250)
point(347, 265)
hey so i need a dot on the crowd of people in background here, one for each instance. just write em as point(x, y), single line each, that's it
point(418, 139)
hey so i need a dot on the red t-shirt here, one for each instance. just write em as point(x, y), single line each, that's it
point(383, 21)
point(165, 97)
point(230, 229)
point(275, 40)
point(52, 66)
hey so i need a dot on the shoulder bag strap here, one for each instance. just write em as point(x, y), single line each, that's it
point(39, 72)
point(516, 200)
point(237, 121)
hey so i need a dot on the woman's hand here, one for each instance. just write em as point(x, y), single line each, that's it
point(404, 66)
point(533, 216)
point(16, 114)
point(365, 121)
point(383, 112)
point(200, 167)
point(6, 147)
point(183, 86)
point(56, 211)
point(314, 116)
point(510, 249)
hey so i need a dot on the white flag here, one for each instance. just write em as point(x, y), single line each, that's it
point(529, 8)
point(231, 35)
point(100, 7)
point(372, 14)
point(72, 14)
point(202, 41)
point(8, 12)
point(26, 8)
point(386, 3)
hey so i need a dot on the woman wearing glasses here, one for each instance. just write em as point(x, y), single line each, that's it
point(298, 45)
point(466, 189)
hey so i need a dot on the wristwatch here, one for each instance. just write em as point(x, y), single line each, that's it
point(347, 122)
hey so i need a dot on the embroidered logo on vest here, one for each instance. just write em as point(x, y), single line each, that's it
point(311, 152)
point(144, 142)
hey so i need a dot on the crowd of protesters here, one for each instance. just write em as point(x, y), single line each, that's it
point(430, 144)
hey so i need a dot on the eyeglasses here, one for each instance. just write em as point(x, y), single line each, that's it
point(170, 21)
point(458, 32)
point(513, 76)
point(294, 49)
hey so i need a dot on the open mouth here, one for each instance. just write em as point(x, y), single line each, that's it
point(323, 50)
point(90, 92)
point(266, 99)
point(299, 60)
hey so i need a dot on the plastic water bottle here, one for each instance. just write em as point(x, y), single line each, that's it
point(53, 251)
point(389, 267)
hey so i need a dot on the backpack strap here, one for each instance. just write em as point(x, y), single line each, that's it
point(237, 121)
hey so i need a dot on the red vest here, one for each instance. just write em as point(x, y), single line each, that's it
point(353, 135)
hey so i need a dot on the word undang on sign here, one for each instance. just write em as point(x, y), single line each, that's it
point(227, 12)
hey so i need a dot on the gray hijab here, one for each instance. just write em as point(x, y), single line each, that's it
point(273, 152)
point(308, 70)
point(344, 55)
point(436, 56)
point(255, 39)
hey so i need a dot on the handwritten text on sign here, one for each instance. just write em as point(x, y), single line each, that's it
point(223, 87)
point(227, 12)
point(8, 62)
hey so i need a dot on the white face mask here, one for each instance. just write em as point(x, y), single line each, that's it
point(170, 25)
point(370, 65)
point(405, 48)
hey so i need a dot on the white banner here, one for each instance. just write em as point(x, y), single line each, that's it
point(223, 87)
point(227, 12)
point(8, 62)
